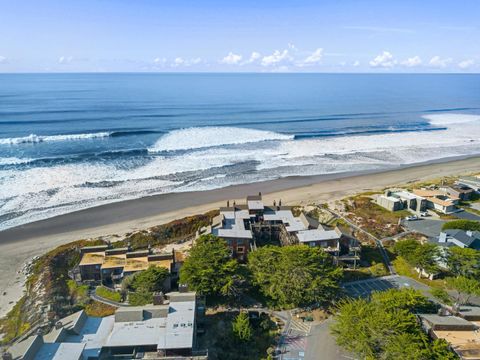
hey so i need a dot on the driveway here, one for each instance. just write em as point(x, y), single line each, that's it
point(427, 227)
point(465, 215)
point(321, 344)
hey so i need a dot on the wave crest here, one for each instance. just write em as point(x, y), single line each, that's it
point(211, 136)
point(33, 138)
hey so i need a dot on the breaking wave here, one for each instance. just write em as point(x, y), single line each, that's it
point(33, 138)
point(205, 137)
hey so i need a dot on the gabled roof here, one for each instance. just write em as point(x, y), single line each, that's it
point(463, 237)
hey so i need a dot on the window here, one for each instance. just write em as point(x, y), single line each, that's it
point(240, 249)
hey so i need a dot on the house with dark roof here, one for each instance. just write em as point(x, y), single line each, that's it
point(461, 238)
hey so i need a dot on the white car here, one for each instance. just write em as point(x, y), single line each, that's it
point(424, 214)
point(411, 218)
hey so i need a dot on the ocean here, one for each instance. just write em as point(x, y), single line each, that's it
point(73, 141)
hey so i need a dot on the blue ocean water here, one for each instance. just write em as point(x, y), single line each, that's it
point(71, 141)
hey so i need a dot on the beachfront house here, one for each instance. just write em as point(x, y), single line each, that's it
point(438, 200)
point(460, 238)
point(472, 182)
point(461, 192)
point(164, 330)
point(246, 226)
point(111, 265)
point(394, 200)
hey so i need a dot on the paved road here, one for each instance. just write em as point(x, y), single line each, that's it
point(465, 215)
point(321, 344)
point(427, 227)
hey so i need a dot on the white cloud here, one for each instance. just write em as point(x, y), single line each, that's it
point(231, 59)
point(195, 61)
point(356, 63)
point(465, 64)
point(178, 61)
point(254, 57)
point(160, 61)
point(3, 59)
point(438, 62)
point(276, 58)
point(314, 58)
point(384, 60)
point(412, 62)
point(65, 60)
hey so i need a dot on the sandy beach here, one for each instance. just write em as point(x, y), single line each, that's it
point(18, 245)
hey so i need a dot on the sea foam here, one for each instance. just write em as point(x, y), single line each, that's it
point(33, 138)
point(203, 137)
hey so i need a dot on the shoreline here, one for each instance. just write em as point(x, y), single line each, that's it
point(20, 244)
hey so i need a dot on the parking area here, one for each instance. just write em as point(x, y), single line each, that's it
point(427, 227)
point(465, 215)
point(364, 288)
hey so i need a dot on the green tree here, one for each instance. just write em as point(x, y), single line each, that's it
point(462, 225)
point(421, 256)
point(293, 276)
point(465, 288)
point(209, 268)
point(386, 328)
point(241, 327)
point(407, 299)
point(405, 248)
point(425, 258)
point(441, 295)
point(464, 262)
point(150, 280)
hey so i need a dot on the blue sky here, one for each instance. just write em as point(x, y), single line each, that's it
point(261, 35)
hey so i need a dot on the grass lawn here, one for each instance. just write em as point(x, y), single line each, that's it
point(108, 294)
point(99, 309)
point(402, 267)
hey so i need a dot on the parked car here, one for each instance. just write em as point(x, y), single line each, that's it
point(411, 218)
point(424, 214)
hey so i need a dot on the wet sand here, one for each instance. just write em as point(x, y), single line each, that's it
point(20, 244)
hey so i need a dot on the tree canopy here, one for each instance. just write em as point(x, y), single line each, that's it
point(241, 327)
point(386, 328)
point(464, 262)
point(462, 225)
point(422, 256)
point(465, 288)
point(209, 268)
point(293, 276)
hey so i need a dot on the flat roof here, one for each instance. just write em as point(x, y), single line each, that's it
point(180, 321)
point(94, 335)
point(255, 204)
point(233, 225)
point(173, 329)
point(391, 198)
point(317, 235)
point(291, 223)
point(114, 261)
point(60, 351)
point(92, 258)
point(137, 333)
point(435, 319)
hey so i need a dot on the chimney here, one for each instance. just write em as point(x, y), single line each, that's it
point(260, 194)
point(158, 298)
point(443, 237)
point(469, 233)
point(58, 325)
